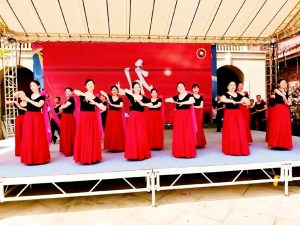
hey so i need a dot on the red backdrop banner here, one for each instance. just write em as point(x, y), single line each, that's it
point(160, 65)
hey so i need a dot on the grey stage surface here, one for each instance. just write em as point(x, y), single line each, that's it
point(10, 166)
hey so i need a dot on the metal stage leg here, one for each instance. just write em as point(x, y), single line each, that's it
point(153, 188)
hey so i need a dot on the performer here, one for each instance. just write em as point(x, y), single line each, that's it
point(184, 126)
point(54, 126)
point(220, 114)
point(234, 134)
point(245, 110)
point(114, 137)
point(252, 115)
point(34, 147)
point(21, 106)
point(154, 120)
point(261, 106)
point(280, 129)
point(103, 112)
point(136, 146)
point(198, 106)
point(87, 149)
point(68, 125)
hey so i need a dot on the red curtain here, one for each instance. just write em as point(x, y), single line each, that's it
point(71, 63)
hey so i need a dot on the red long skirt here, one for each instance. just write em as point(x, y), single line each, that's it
point(35, 146)
point(269, 115)
point(87, 149)
point(67, 134)
point(234, 133)
point(246, 114)
point(280, 128)
point(184, 137)
point(18, 134)
point(114, 137)
point(200, 136)
point(137, 146)
point(155, 129)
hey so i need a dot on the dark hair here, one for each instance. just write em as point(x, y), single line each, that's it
point(69, 88)
point(58, 97)
point(36, 82)
point(258, 95)
point(153, 89)
point(114, 86)
point(180, 82)
point(88, 80)
point(279, 81)
point(134, 83)
point(195, 85)
point(251, 99)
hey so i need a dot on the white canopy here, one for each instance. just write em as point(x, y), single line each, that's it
point(227, 21)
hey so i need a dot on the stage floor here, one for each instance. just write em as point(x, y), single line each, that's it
point(10, 166)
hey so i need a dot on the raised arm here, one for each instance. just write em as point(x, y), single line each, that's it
point(79, 93)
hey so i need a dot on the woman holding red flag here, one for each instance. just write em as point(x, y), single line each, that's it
point(114, 137)
point(68, 124)
point(87, 149)
point(184, 127)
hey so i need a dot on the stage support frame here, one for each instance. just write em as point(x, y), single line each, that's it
point(13, 189)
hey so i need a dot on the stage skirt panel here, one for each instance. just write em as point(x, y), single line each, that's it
point(200, 136)
point(246, 114)
point(155, 129)
point(67, 134)
point(34, 147)
point(114, 137)
point(184, 137)
point(87, 149)
point(280, 128)
point(18, 134)
point(234, 133)
point(137, 146)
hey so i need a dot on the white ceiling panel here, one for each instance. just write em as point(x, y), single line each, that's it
point(97, 16)
point(141, 16)
point(183, 17)
point(204, 17)
point(162, 16)
point(51, 16)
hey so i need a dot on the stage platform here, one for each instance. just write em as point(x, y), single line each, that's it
point(153, 171)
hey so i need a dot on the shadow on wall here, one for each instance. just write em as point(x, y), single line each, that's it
point(24, 77)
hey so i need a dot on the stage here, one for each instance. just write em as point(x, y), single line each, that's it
point(161, 172)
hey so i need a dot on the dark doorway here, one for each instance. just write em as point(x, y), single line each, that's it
point(225, 74)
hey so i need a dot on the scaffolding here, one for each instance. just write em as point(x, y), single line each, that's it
point(9, 65)
point(271, 67)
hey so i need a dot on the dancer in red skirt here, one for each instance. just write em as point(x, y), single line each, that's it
point(68, 125)
point(280, 128)
point(87, 148)
point(114, 137)
point(234, 133)
point(198, 106)
point(34, 144)
point(21, 106)
point(245, 109)
point(184, 130)
point(155, 127)
point(137, 146)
